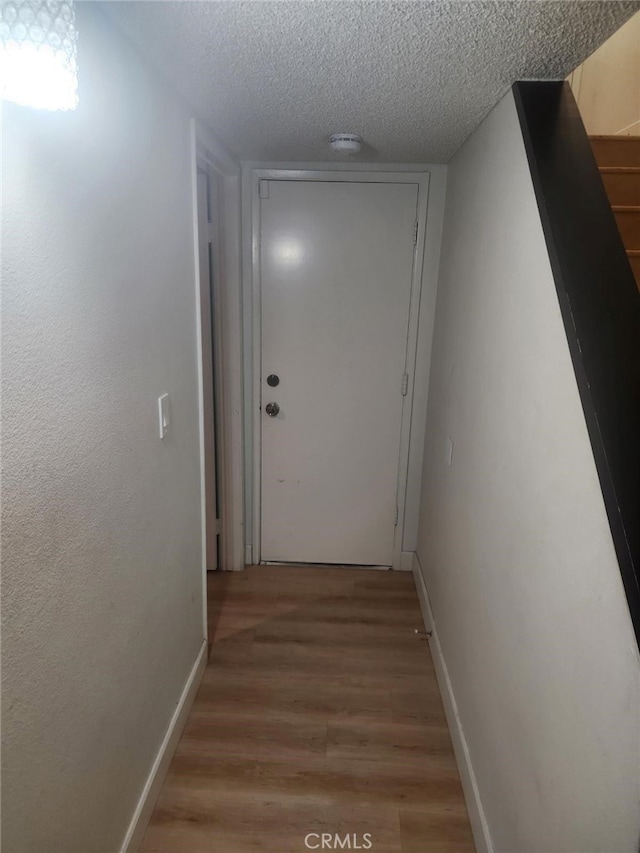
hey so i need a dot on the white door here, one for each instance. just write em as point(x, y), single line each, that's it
point(336, 271)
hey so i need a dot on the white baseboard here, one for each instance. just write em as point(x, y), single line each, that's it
point(479, 826)
point(406, 561)
point(151, 791)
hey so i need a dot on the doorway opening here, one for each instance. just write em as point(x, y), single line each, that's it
point(215, 182)
point(208, 267)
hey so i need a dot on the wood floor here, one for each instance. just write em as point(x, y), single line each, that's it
point(319, 712)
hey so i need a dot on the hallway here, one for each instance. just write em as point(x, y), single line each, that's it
point(319, 712)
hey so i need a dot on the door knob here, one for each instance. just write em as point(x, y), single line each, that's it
point(272, 409)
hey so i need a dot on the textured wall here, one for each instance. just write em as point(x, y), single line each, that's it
point(514, 541)
point(101, 545)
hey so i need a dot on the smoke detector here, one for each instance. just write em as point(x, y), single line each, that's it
point(345, 143)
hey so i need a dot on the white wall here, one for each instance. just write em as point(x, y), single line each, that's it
point(514, 542)
point(101, 520)
point(607, 84)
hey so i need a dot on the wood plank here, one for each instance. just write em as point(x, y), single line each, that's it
point(387, 742)
point(263, 823)
point(622, 184)
point(616, 150)
point(319, 712)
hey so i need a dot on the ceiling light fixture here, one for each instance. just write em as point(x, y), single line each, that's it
point(345, 143)
point(38, 42)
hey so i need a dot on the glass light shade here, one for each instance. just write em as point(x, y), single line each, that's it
point(38, 53)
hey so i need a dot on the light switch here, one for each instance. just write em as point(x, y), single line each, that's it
point(449, 452)
point(163, 414)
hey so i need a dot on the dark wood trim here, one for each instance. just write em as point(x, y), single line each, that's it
point(599, 302)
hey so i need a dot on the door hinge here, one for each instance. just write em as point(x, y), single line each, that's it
point(405, 384)
point(395, 518)
point(415, 233)
point(210, 232)
point(217, 526)
point(263, 189)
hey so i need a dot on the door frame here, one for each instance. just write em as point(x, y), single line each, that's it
point(209, 155)
point(209, 275)
point(422, 179)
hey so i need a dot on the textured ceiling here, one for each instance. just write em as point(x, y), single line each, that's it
point(274, 79)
